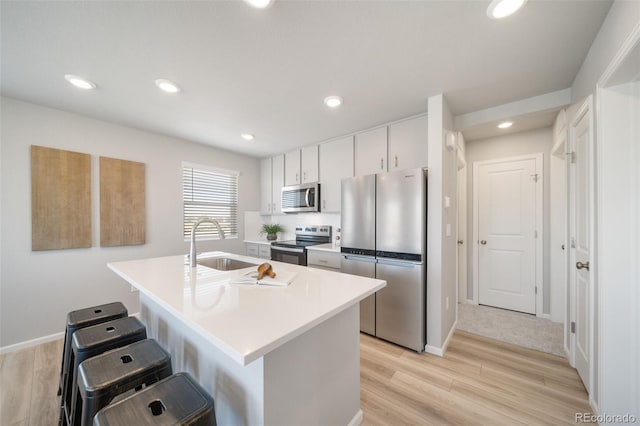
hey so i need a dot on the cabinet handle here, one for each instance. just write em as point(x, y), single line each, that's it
point(297, 178)
point(273, 209)
point(304, 176)
point(382, 164)
point(396, 161)
point(324, 204)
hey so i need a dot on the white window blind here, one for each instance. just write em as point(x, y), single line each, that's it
point(211, 193)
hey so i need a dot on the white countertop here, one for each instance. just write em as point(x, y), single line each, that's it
point(244, 321)
point(268, 243)
point(329, 247)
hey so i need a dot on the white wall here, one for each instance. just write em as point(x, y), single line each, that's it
point(620, 21)
point(511, 145)
point(441, 249)
point(38, 288)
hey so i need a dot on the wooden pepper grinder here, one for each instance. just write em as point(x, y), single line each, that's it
point(265, 269)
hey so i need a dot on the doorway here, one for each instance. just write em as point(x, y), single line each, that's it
point(507, 250)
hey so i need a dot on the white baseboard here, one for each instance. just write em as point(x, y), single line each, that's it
point(434, 350)
point(594, 406)
point(471, 302)
point(30, 343)
point(357, 419)
point(40, 340)
point(545, 316)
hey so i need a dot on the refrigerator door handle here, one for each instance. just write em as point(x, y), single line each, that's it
point(401, 263)
point(360, 259)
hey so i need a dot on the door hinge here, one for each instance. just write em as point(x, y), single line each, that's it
point(572, 157)
point(573, 327)
point(573, 242)
point(535, 177)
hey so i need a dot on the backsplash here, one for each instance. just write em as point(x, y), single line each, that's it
point(253, 223)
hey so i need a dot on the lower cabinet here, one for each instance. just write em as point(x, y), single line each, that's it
point(323, 260)
point(260, 250)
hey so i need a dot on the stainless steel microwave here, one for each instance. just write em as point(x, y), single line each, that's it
point(301, 198)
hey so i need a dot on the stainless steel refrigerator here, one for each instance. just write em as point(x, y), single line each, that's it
point(384, 230)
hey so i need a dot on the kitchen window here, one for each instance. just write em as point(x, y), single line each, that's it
point(211, 192)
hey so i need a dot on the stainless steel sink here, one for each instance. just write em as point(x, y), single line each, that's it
point(224, 263)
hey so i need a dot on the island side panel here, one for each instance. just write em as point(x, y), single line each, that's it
point(237, 390)
point(315, 378)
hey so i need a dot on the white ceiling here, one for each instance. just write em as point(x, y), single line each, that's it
point(266, 72)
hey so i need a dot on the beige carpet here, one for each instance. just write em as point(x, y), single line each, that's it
point(512, 327)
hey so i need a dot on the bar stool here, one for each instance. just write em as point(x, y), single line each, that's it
point(85, 318)
point(103, 377)
point(176, 400)
point(92, 341)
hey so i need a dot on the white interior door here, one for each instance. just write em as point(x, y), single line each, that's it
point(507, 211)
point(581, 134)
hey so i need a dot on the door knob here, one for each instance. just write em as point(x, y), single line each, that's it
point(580, 265)
point(460, 242)
point(483, 242)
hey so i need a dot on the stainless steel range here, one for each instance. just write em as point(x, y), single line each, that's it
point(294, 251)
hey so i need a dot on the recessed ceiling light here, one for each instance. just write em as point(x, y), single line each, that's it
point(167, 85)
point(333, 101)
point(503, 8)
point(247, 136)
point(80, 82)
point(505, 125)
point(260, 4)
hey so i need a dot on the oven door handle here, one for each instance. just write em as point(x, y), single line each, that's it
point(290, 250)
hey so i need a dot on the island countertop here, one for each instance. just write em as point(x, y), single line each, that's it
point(244, 321)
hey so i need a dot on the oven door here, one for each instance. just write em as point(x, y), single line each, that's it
point(296, 256)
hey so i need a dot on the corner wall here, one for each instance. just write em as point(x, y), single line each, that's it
point(441, 246)
point(38, 288)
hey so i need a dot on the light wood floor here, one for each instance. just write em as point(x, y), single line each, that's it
point(479, 381)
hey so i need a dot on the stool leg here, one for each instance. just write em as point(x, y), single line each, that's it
point(64, 354)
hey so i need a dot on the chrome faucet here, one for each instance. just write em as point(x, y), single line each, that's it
point(192, 252)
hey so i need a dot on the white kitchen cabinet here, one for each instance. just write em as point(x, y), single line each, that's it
point(408, 144)
point(271, 183)
point(292, 168)
point(301, 165)
point(371, 152)
point(260, 250)
point(309, 163)
point(277, 182)
point(323, 260)
point(336, 163)
point(266, 197)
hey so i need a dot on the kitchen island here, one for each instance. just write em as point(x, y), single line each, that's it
point(268, 355)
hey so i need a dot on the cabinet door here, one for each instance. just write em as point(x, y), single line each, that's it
point(252, 249)
point(277, 182)
point(371, 152)
point(309, 164)
point(336, 163)
point(264, 251)
point(292, 168)
point(408, 144)
point(266, 204)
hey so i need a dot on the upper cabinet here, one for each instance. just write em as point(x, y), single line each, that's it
point(371, 152)
point(336, 163)
point(271, 183)
point(309, 164)
point(408, 144)
point(301, 166)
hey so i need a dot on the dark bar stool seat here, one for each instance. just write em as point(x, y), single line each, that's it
point(103, 377)
point(176, 400)
point(85, 318)
point(92, 341)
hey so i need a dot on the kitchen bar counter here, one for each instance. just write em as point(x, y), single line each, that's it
point(267, 354)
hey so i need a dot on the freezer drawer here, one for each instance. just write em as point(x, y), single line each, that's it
point(363, 267)
point(400, 306)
